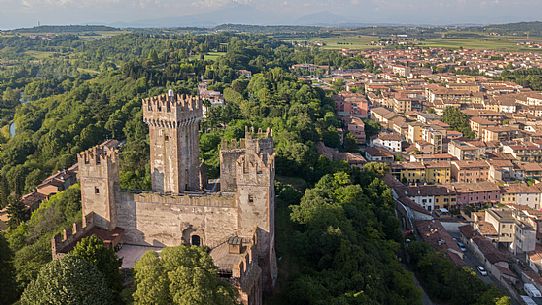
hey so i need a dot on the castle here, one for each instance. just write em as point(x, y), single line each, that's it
point(233, 218)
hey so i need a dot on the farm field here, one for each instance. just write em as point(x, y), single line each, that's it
point(490, 43)
point(360, 42)
point(347, 42)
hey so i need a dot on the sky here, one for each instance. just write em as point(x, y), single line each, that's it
point(26, 13)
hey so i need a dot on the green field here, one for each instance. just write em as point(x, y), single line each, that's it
point(39, 54)
point(489, 43)
point(212, 56)
point(360, 42)
point(347, 42)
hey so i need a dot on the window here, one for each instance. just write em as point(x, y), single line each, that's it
point(250, 199)
point(196, 240)
point(96, 190)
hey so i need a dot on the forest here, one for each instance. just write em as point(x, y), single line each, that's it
point(338, 239)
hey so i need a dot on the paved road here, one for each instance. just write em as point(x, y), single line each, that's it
point(471, 260)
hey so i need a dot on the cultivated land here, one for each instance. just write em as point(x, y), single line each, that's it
point(345, 40)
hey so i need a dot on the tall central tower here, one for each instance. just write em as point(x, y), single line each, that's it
point(174, 141)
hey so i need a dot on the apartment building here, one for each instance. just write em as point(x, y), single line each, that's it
point(463, 150)
point(470, 171)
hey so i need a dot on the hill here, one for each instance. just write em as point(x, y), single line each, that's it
point(533, 28)
point(66, 29)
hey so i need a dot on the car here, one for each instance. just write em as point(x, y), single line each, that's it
point(462, 246)
point(482, 270)
point(463, 249)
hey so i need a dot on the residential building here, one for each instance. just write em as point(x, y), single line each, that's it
point(389, 140)
point(470, 171)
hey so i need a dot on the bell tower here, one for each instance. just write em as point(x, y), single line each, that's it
point(173, 122)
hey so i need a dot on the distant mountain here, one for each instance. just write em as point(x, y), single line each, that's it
point(231, 14)
point(66, 29)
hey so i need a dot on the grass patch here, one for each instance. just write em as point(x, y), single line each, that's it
point(39, 54)
point(347, 42)
point(88, 71)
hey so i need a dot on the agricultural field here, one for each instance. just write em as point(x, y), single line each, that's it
point(477, 40)
point(40, 55)
point(489, 43)
point(347, 42)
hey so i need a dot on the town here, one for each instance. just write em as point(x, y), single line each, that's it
point(464, 150)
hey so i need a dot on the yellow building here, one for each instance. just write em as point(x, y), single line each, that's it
point(438, 172)
point(418, 172)
point(409, 172)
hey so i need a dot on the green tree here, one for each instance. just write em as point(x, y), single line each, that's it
point(182, 275)
point(93, 250)
point(66, 281)
point(8, 287)
point(17, 212)
point(458, 121)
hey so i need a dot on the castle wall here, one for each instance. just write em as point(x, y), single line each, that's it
point(170, 220)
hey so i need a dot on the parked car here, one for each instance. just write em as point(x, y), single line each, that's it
point(462, 246)
point(482, 270)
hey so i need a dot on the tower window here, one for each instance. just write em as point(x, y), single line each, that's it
point(196, 240)
point(166, 138)
point(250, 198)
point(96, 190)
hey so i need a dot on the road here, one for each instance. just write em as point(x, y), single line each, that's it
point(471, 260)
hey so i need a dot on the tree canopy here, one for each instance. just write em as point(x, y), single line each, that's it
point(181, 275)
point(66, 281)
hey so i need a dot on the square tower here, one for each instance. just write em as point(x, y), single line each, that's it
point(174, 142)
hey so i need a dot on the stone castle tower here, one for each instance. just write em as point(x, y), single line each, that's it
point(174, 141)
point(235, 222)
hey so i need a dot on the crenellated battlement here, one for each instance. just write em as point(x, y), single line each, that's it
point(98, 154)
point(65, 241)
point(171, 111)
point(255, 141)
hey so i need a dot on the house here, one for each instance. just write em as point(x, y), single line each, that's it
point(500, 169)
point(470, 171)
point(499, 133)
point(522, 194)
point(508, 228)
point(438, 172)
point(476, 193)
point(414, 133)
point(433, 233)
point(389, 140)
point(356, 127)
point(435, 172)
point(527, 170)
point(463, 150)
point(431, 197)
point(477, 123)
point(382, 116)
point(525, 151)
point(377, 154)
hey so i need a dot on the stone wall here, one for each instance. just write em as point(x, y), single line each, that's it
point(171, 220)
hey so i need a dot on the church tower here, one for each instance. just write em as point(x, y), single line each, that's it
point(173, 122)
